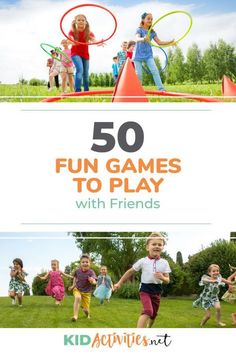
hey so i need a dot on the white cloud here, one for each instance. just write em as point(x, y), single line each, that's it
point(26, 25)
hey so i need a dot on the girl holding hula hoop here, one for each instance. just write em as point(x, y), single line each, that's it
point(143, 50)
point(80, 32)
point(54, 69)
point(67, 68)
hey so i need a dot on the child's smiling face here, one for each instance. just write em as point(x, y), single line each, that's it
point(155, 246)
point(214, 272)
point(85, 263)
point(148, 20)
point(80, 21)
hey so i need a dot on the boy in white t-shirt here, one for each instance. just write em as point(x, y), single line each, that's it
point(155, 271)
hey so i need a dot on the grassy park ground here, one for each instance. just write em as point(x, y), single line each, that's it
point(27, 93)
point(40, 312)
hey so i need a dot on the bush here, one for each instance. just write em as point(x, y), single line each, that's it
point(37, 82)
point(220, 252)
point(129, 290)
point(177, 276)
point(38, 285)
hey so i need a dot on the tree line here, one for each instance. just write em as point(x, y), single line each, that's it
point(208, 66)
point(119, 254)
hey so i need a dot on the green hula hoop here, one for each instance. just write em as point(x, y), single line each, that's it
point(58, 50)
point(168, 14)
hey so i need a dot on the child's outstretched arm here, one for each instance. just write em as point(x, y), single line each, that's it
point(73, 285)
point(44, 277)
point(159, 42)
point(66, 275)
point(124, 277)
point(92, 39)
point(231, 278)
point(163, 276)
point(92, 280)
point(226, 281)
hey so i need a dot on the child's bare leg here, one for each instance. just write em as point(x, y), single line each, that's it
point(12, 295)
point(150, 322)
point(233, 316)
point(142, 321)
point(71, 82)
point(77, 301)
point(19, 298)
point(63, 81)
point(218, 315)
point(205, 318)
point(51, 77)
point(87, 313)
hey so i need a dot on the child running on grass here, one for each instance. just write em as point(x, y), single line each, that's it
point(55, 286)
point(56, 79)
point(67, 68)
point(104, 286)
point(80, 32)
point(209, 296)
point(143, 49)
point(17, 285)
point(115, 69)
point(54, 69)
point(155, 271)
point(130, 50)
point(84, 279)
point(121, 55)
point(230, 295)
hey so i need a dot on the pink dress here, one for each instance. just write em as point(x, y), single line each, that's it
point(55, 287)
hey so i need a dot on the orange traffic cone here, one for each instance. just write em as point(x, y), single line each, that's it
point(128, 87)
point(228, 87)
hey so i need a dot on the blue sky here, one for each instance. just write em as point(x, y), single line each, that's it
point(201, 5)
point(40, 247)
point(211, 21)
point(36, 252)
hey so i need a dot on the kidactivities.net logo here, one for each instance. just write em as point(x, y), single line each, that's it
point(111, 340)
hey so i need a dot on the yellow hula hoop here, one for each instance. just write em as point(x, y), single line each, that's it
point(168, 14)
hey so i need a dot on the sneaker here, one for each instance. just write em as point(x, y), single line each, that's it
point(87, 314)
point(221, 324)
point(13, 301)
point(20, 305)
point(50, 89)
point(74, 319)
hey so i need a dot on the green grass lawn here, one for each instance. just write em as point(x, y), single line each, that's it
point(25, 93)
point(40, 312)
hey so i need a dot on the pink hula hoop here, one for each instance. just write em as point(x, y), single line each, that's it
point(83, 5)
